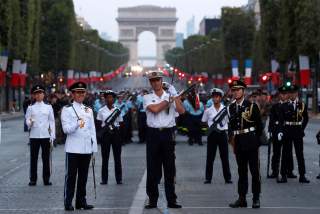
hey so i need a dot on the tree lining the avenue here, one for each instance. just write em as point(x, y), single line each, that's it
point(46, 35)
point(289, 28)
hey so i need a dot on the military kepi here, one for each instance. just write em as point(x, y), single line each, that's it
point(110, 92)
point(37, 88)
point(282, 89)
point(235, 84)
point(155, 74)
point(293, 88)
point(78, 86)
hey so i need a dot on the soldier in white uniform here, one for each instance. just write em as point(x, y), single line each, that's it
point(218, 138)
point(41, 124)
point(78, 124)
point(160, 110)
point(110, 138)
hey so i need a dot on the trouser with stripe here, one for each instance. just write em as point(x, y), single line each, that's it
point(77, 165)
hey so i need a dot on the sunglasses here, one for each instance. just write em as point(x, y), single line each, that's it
point(79, 92)
point(155, 79)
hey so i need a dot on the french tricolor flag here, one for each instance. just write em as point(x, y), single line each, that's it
point(15, 77)
point(3, 67)
point(304, 71)
point(248, 72)
point(235, 68)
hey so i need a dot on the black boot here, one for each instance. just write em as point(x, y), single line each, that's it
point(84, 206)
point(256, 203)
point(241, 202)
point(303, 179)
point(68, 208)
point(174, 205)
point(273, 175)
point(151, 205)
point(318, 177)
point(282, 180)
point(291, 175)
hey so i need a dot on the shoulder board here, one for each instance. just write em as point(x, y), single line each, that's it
point(87, 106)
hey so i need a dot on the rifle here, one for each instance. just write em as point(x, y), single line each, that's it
point(269, 154)
point(109, 122)
point(217, 119)
point(93, 162)
point(188, 90)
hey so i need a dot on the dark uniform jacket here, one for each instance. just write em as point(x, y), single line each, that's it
point(294, 115)
point(274, 119)
point(247, 116)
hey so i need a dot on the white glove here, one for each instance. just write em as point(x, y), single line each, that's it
point(51, 142)
point(280, 135)
point(172, 90)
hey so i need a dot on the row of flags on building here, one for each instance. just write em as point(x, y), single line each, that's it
point(274, 75)
point(93, 76)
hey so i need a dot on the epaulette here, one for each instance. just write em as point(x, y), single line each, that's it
point(87, 106)
point(67, 106)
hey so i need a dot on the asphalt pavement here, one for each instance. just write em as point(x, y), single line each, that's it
point(17, 197)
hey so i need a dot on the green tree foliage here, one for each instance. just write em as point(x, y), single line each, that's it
point(45, 34)
point(308, 31)
point(238, 29)
point(200, 54)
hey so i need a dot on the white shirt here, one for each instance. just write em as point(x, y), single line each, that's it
point(79, 140)
point(42, 117)
point(161, 119)
point(210, 113)
point(105, 112)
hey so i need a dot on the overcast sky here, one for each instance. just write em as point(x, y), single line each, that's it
point(101, 14)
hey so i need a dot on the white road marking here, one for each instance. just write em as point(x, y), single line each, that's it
point(12, 170)
point(140, 197)
point(137, 208)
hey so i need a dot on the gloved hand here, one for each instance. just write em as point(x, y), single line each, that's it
point(51, 142)
point(172, 90)
point(280, 135)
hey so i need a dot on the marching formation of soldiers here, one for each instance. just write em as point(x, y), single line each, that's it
point(108, 121)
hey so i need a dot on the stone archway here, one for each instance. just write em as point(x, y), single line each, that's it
point(160, 21)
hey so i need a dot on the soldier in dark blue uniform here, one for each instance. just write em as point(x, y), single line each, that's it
point(274, 129)
point(294, 119)
point(245, 128)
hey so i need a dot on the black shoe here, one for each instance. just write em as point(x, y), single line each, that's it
point(200, 144)
point(255, 203)
point(32, 183)
point(273, 175)
point(119, 182)
point(229, 181)
point(318, 177)
point(174, 206)
point(291, 175)
point(68, 208)
point(282, 180)
point(47, 183)
point(304, 180)
point(150, 206)
point(207, 182)
point(239, 203)
point(84, 206)
point(103, 182)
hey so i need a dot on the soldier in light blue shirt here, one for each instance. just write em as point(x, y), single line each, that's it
point(194, 110)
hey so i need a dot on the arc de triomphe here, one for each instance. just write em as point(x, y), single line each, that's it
point(161, 21)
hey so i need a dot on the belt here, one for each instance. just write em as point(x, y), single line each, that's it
point(293, 123)
point(161, 129)
point(244, 131)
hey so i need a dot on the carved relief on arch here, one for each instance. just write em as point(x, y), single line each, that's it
point(165, 48)
point(153, 30)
